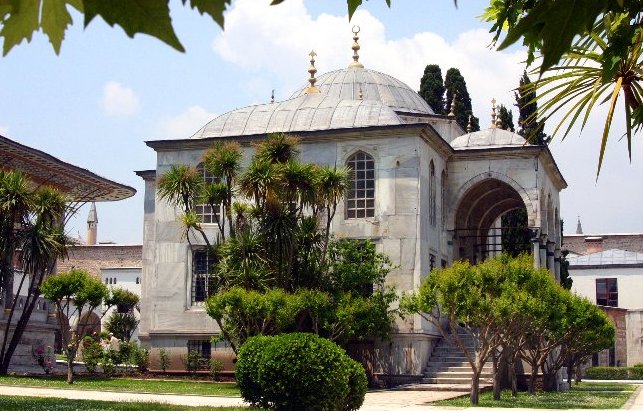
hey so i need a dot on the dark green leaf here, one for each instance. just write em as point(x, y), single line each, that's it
point(215, 8)
point(352, 6)
point(150, 17)
point(20, 24)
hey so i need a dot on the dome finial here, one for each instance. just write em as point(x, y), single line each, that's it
point(272, 97)
point(453, 102)
point(470, 124)
point(493, 113)
point(312, 89)
point(355, 63)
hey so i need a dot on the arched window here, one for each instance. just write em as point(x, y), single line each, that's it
point(443, 199)
point(432, 199)
point(360, 198)
point(205, 211)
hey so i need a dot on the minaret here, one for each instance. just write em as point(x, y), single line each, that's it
point(92, 225)
point(579, 228)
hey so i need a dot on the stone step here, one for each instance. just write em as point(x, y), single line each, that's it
point(435, 387)
point(450, 358)
point(455, 368)
point(453, 380)
point(457, 374)
point(450, 348)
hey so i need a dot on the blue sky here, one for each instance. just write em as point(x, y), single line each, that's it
point(96, 103)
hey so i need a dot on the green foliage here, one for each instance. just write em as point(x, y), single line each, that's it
point(216, 366)
point(530, 128)
point(612, 373)
point(299, 371)
point(91, 354)
point(122, 325)
point(432, 88)
point(588, 52)
point(454, 83)
point(124, 299)
point(193, 361)
point(516, 236)
point(164, 359)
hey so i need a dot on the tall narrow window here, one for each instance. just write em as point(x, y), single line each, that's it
point(607, 292)
point(205, 211)
point(360, 199)
point(432, 199)
point(443, 199)
point(202, 278)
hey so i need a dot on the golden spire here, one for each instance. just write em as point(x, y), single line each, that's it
point(452, 112)
point(493, 113)
point(355, 63)
point(470, 124)
point(272, 97)
point(312, 89)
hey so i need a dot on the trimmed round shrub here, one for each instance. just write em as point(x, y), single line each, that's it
point(357, 385)
point(299, 371)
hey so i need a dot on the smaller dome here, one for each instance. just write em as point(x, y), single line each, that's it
point(491, 137)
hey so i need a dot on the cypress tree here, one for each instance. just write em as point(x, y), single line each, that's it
point(530, 128)
point(454, 83)
point(432, 88)
point(506, 118)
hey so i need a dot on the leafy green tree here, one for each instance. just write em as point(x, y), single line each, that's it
point(593, 57)
point(515, 233)
point(432, 88)
point(122, 322)
point(74, 294)
point(454, 84)
point(31, 233)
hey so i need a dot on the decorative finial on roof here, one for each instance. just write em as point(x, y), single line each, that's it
point(493, 113)
point(470, 124)
point(579, 227)
point(453, 101)
point(355, 63)
point(272, 97)
point(361, 94)
point(312, 89)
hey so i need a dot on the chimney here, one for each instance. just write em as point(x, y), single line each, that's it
point(92, 225)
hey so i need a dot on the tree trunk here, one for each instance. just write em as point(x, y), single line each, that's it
point(496, 375)
point(475, 388)
point(532, 379)
point(570, 372)
point(70, 366)
point(578, 365)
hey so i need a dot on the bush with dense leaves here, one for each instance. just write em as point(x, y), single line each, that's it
point(615, 373)
point(299, 371)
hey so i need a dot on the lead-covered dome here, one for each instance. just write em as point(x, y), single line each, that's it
point(356, 83)
point(491, 137)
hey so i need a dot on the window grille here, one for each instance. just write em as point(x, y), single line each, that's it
point(607, 292)
point(202, 278)
point(204, 211)
point(360, 198)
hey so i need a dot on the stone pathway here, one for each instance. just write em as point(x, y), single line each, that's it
point(383, 400)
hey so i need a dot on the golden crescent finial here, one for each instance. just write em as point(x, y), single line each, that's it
point(312, 70)
point(355, 63)
point(493, 113)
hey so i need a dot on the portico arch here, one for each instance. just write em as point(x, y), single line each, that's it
point(481, 202)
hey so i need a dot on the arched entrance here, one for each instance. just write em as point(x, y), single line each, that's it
point(88, 325)
point(478, 231)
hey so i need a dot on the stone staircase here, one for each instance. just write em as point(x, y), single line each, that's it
point(448, 367)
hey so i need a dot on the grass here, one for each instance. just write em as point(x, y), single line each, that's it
point(125, 385)
point(587, 395)
point(62, 404)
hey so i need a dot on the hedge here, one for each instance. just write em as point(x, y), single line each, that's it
point(299, 371)
point(615, 373)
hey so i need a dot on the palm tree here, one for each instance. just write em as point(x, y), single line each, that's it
point(223, 160)
point(180, 185)
point(32, 222)
point(330, 189)
point(278, 148)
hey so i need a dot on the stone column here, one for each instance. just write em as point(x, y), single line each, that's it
point(542, 250)
point(557, 255)
point(550, 258)
point(535, 247)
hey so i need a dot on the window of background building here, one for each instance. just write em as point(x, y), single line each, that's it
point(607, 292)
point(360, 198)
point(202, 278)
point(432, 199)
point(205, 211)
point(203, 347)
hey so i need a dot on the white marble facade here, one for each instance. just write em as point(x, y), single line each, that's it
point(477, 178)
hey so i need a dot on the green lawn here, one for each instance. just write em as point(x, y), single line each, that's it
point(587, 395)
point(127, 385)
point(62, 404)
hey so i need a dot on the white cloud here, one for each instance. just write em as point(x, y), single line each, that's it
point(4, 130)
point(119, 100)
point(290, 32)
point(184, 124)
